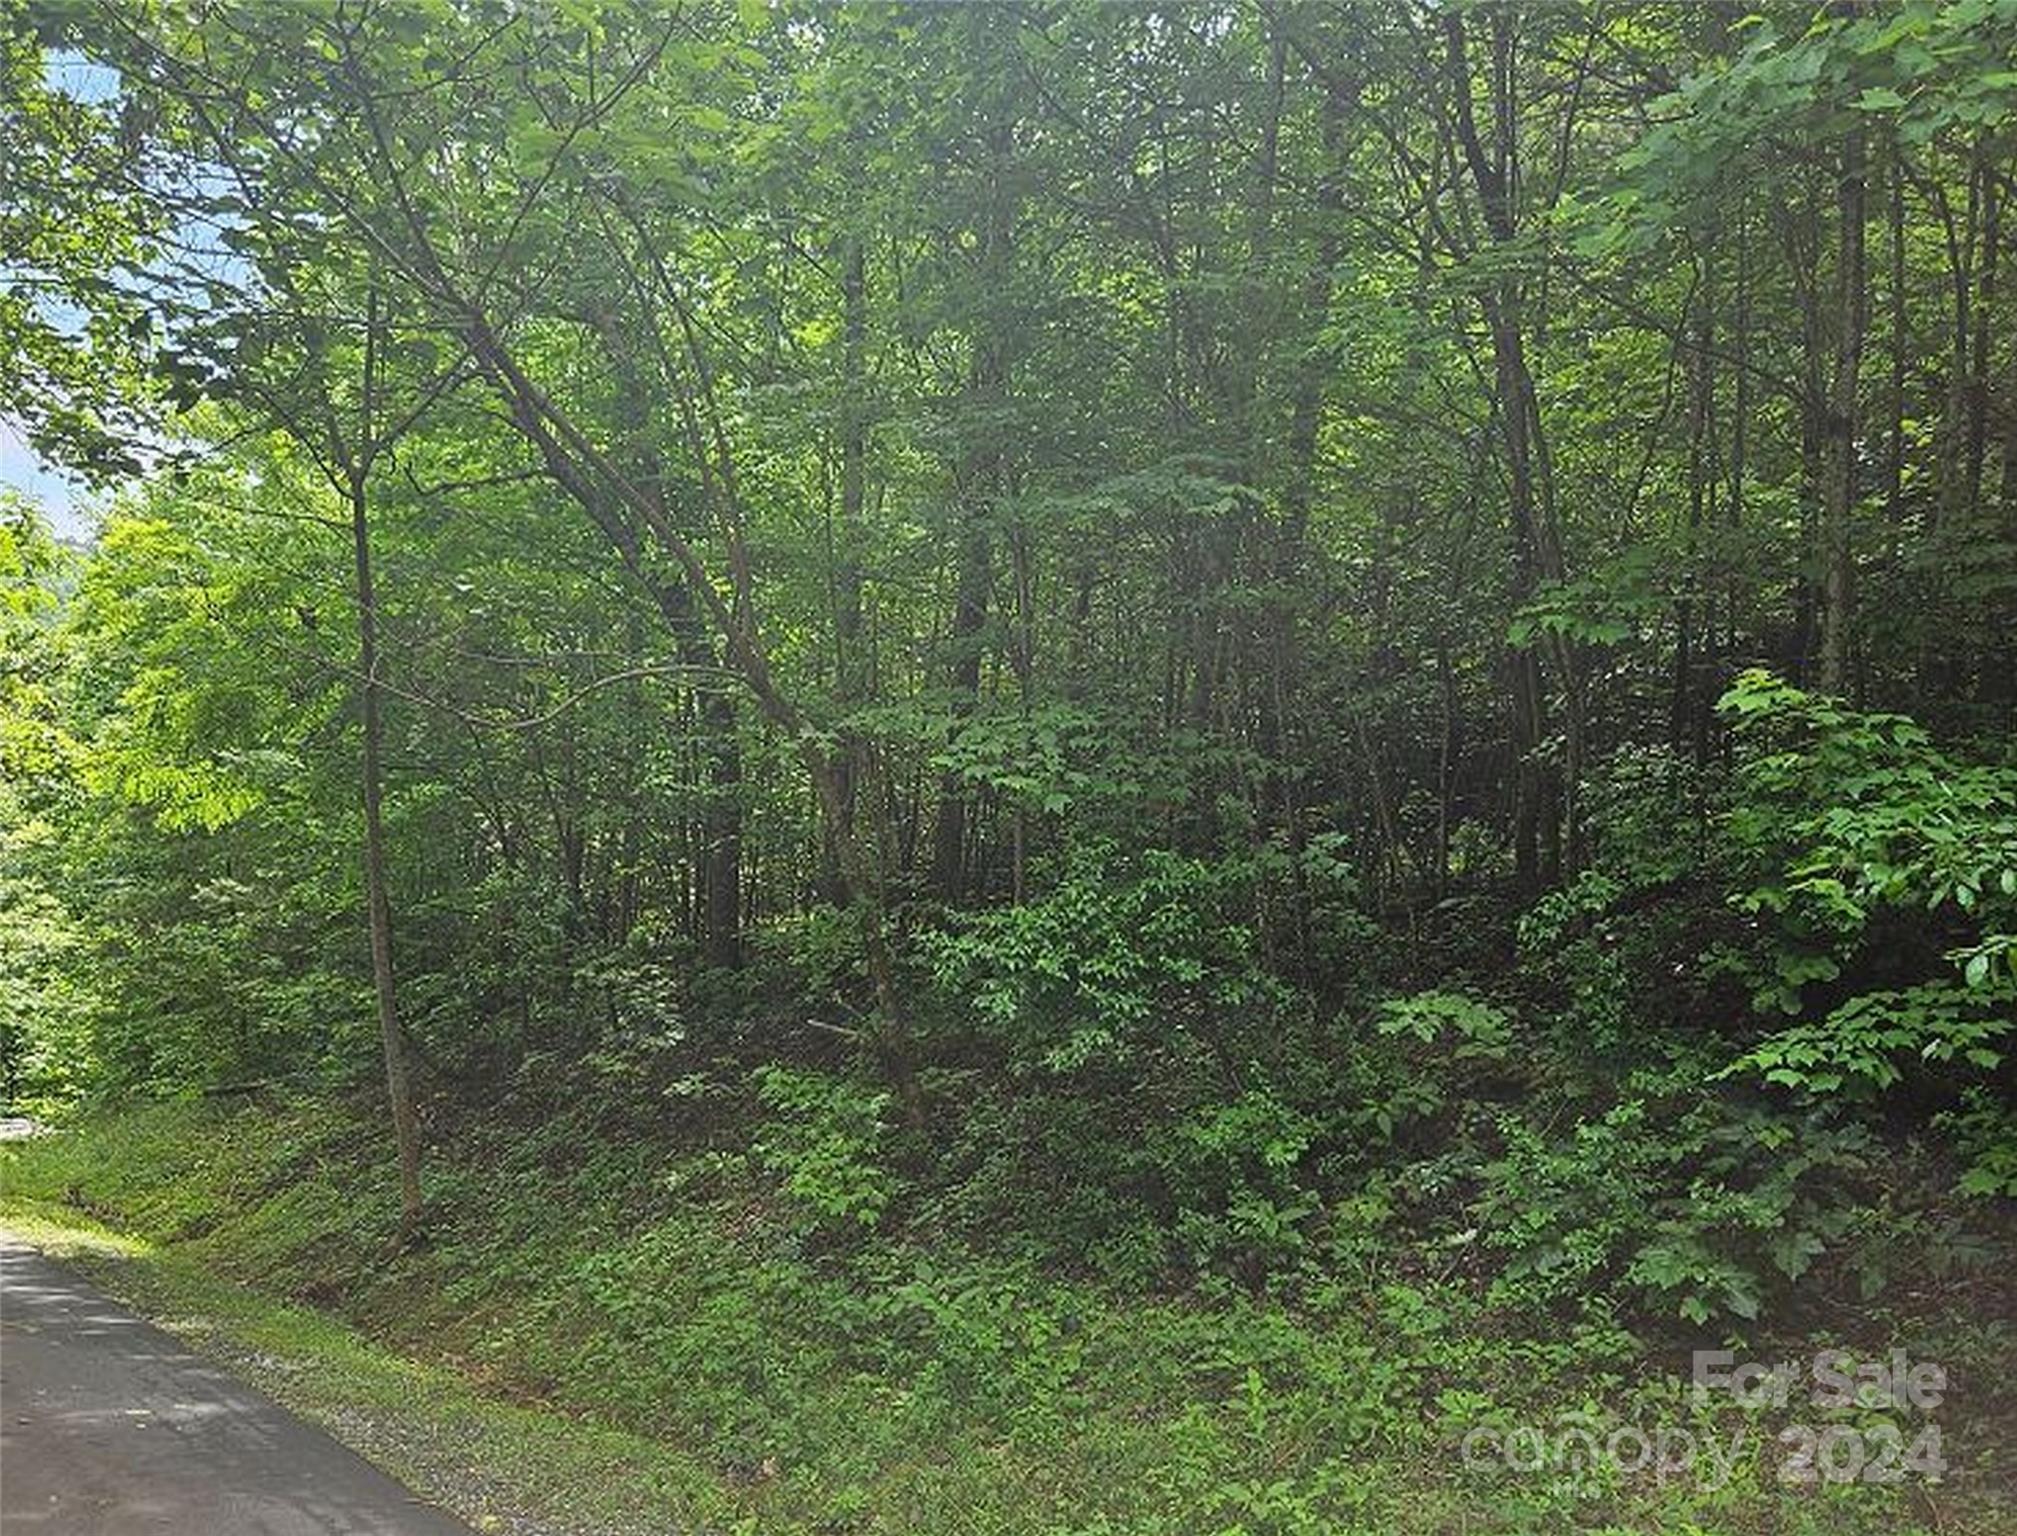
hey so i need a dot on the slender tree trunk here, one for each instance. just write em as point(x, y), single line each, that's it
point(623, 897)
point(1446, 765)
point(850, 650)
point(1839, 451)
point(399, 1090)
point(1962, 239)
point(979, 484)
point(717, 857)
point(1740, 423)
point(2009, 457)
point(864, 889)
point(1975, 444)
point(1901, 341)
point(976, 578)
point(1803, 239)
point(1537, 828)
point(1299, 489)
point(721, 827)
point(1998, 682)
point(1022, 659)
point(1701, 480)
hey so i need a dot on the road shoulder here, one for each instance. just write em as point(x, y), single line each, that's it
point(514, 1469)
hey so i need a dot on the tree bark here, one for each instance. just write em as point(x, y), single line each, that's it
point(1688, 726)
point(976, 578)
point(1537, 830)
point(1975, 445)
point(1839, 450)
point(850, 648)
point(378, 904)
point(978, 485)
point(721, 825)
point(1901, 341)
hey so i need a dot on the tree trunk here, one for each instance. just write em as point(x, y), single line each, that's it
point(978, 485)
point(1901, 342)
point(1687, 726)
point(1839, 450)
point(721, 930)
point(399, 1090)
point(1975, 443)
point(976, 577)
point(1537, 828)
point(850, 650)
point(1282, 638)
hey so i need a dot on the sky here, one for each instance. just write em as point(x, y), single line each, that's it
point(62, 500)
point(21, 468)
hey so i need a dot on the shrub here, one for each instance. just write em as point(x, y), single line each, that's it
point(824, 1139)
point(1873, 853)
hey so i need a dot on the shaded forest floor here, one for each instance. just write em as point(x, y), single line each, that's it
point(604, 1330)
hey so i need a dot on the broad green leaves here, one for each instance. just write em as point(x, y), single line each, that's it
point(1864, 822)
point(1472, 1027)
point(1857, 1048)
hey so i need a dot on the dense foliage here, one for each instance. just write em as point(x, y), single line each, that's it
point(1239, 650)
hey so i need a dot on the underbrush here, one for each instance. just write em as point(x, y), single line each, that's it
point(1181, 1231)
point(713, 1300)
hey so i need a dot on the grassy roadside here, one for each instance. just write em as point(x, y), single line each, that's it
point(607, 1337)
point(502, 1467)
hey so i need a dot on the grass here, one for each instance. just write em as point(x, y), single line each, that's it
point(501, 1466)
point(603, 1335)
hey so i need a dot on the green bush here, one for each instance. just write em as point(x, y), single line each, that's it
point(1885, 880)
point(1122, 956)
point(824, 1139)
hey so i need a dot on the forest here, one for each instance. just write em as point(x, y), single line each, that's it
point(1038, 766)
